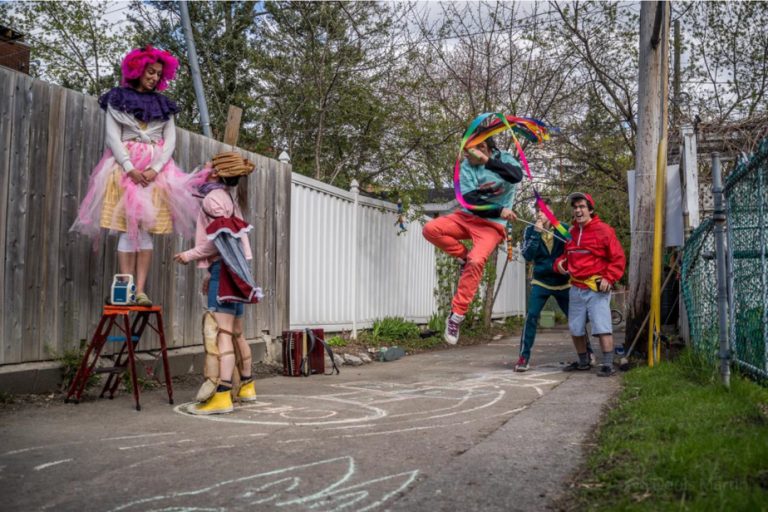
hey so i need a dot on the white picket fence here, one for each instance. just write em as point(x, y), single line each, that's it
point(349, 267)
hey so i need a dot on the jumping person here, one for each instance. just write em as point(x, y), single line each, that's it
point(136, 189)
point(487, 177)
point(222, 247)
point(541, 248)
point(595, 261)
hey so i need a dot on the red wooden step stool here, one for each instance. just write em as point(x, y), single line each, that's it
point(132, 330)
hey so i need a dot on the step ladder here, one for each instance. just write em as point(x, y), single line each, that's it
point(119, 317)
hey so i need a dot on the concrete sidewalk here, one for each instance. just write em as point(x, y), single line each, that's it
point(447, 430)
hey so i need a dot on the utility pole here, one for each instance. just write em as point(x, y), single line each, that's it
point(194, 69)
point(651, 131)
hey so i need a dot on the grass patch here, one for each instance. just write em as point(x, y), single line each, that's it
point(677, 440)
point(514, 322)
point(336, 341)
point(393, 328)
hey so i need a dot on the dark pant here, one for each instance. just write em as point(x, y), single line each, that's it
point(536, 301)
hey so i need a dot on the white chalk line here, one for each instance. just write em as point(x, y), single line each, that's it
point(73, 443)
point(41, 447)
point(332, 498)
point(49, 464)
point(148, 445)
point(258, 434)
point(406, 429)
point(138, 436)
point(474, 388)
point(374, 413)
point(184, 452)
point(409, 476)
point(347, 476)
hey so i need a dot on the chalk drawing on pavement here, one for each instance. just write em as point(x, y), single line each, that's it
point(303, 486)
point(387, 406)
point(297, 410)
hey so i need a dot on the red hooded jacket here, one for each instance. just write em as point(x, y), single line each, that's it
point(593, 250)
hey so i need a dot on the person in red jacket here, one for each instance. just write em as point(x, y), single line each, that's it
point(595, 261)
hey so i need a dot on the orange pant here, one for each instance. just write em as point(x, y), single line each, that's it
point(445, 233)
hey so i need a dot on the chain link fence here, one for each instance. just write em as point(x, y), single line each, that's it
point(746, 193)
point(699, 283)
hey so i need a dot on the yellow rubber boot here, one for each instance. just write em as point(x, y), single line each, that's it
point(247, 392)
point(219, 403)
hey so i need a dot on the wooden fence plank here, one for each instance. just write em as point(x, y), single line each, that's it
point(7, 96)
point(71, 251)
point(46, 110)
point(270, 264)
point(92, 252)
point(282, 247)
point(16, 220)
point(258, 210)
point(59, 152)
point(176, 331)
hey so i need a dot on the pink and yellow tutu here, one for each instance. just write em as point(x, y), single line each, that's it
point(115, 203)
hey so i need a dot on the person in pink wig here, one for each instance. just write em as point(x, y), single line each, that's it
point(136, 189)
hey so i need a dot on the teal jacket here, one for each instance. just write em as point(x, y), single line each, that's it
point(491, 184)
point(535, 250)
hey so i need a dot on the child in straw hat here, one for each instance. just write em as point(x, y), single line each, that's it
point(222, 247)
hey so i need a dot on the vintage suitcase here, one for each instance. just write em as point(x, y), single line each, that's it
point(303, 353)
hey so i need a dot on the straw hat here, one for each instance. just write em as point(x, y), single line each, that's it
point(230, 164)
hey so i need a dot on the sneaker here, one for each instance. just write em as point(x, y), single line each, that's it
point(592, 359)
point(606, 371)
point(577, 367)
point(143, 300)
point(522, 365)
point(451, 334)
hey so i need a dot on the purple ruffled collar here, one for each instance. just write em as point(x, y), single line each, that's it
point(144, 106)
point(210, 186)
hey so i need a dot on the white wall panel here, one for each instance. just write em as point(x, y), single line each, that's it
point(392, 275)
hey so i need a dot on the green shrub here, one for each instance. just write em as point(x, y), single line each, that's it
point(394, 328)
point(70, 359)
point(436, 323)
point(514, 322)
point(336, 341)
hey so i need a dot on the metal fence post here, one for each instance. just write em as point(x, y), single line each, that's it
point(722, 281)
point(355, 189)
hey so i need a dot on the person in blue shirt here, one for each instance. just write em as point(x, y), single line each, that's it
point(541, 248)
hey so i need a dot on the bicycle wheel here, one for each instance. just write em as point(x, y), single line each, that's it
point(616, 317)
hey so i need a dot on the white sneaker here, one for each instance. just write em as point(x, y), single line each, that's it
point(451, 334)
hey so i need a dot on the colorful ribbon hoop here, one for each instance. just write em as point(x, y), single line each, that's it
point(532, 129)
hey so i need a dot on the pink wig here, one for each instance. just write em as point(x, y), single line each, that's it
point(137, 60)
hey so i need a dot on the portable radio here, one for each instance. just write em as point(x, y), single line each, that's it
point(123, 290)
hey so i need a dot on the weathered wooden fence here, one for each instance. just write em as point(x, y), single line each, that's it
point(53, 282)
